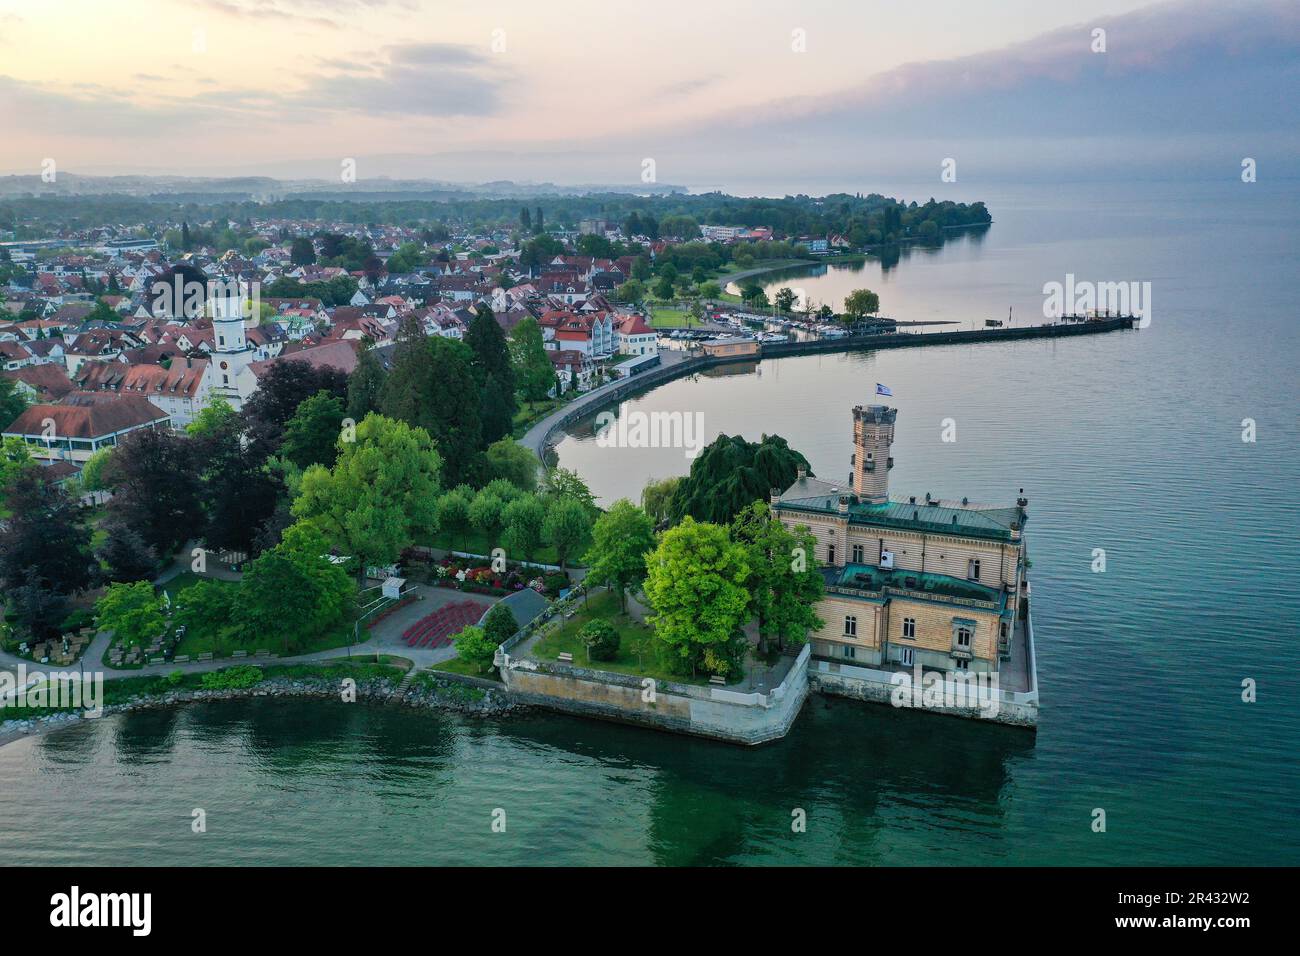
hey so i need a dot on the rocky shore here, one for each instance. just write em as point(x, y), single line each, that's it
point(432, 693)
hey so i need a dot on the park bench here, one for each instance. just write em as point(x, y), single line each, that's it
point(181, 659)
point(565, 658)
point(239, 654)
point(205, 656)
point(716, 679)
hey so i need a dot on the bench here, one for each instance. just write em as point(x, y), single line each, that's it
point(239, 654)
point(205, 656)
point(565, 658)
point(716, 679)
point(181, 659)
point(261, 653)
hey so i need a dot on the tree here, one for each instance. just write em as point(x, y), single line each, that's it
point(37, 608)
point(657, 497)
point(710, 290)
point(427, 388)
point(131, 611)
point(500, 624)
point(46, 532)
point(631, 291)
point(523, 520)
point(453, 514)
point(281, 389)
point(127, 555)
point(485, 514)
point(512, 462)
point(208, 606)
point(663, 288)
point(601, 640)
point(620, 541)
point(473, 645)
point(212, 419)
point(238, 494)
point(293, 590)
point(12, 401)
point(94, 471)
point(534, 373)
point(784, 583)
point(731, 473)
point(15, 460)
point(311, 437)
point(302, 252)
point(563, 483)
point(566, 526)
point(379, 496)
point(861, 302)
point(784, 299)
point(365, 385)
point(695, 583)
point(495, 372)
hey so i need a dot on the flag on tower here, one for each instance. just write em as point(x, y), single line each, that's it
point(883, 390)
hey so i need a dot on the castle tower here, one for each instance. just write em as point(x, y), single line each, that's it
point(873, 433)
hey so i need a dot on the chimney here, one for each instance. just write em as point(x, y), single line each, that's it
point(844, 504)
point(873, 434)
point(774, 495)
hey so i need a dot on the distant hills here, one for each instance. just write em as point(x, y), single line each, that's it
point(266, 188)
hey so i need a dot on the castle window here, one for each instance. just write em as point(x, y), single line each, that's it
point(830, 554)
point(975, 569)
point(963, 665)
point(850, 626)
point(850, 652)
point(909, 627)
point(964, 635)
point(858, 554)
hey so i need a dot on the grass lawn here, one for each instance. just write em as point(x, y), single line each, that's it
point(670, 317)
point(530, 413)
point(457, 666)
point(632, 634)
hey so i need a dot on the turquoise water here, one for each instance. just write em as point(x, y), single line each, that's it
point(1130, 442)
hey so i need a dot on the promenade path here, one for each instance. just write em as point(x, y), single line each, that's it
point(535, 438)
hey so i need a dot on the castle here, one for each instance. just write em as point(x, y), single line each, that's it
point(912, 584)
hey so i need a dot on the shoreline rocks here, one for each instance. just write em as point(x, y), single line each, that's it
point(436, 694)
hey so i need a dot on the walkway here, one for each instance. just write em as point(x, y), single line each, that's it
point(535, 438)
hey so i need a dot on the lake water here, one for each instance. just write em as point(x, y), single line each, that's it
point(1130, 442)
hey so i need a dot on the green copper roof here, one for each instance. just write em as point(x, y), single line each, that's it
point(945, 517)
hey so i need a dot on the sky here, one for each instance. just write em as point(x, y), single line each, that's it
point(720, 92)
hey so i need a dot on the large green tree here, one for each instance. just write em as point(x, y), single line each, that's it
point(620, 541)
point(534, 372)
point(311, 437)
point(495, 373)
point(695, 583)
point(732, 473)
point(566, 528)
point(379, 497)
point(131, 611)
point(523, 520)
point(784, 583)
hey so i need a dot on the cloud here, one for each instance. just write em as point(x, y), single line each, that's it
point(422, 79)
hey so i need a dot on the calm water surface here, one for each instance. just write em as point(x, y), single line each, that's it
point(1130, 442)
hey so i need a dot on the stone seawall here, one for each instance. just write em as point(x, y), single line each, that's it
point(713, 712)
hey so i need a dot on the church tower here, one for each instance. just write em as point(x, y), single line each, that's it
point(873, 434)
point(231, 350)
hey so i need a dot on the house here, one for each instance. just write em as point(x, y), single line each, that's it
point(83, 424)
point(42, 383)
point(634, 337)
point(181, 391)
point(573, 369)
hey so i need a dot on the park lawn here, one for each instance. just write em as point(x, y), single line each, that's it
point(476, 542)
point(664, 316)
point(530, 413)
point(631, 633)
point(456, 665)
